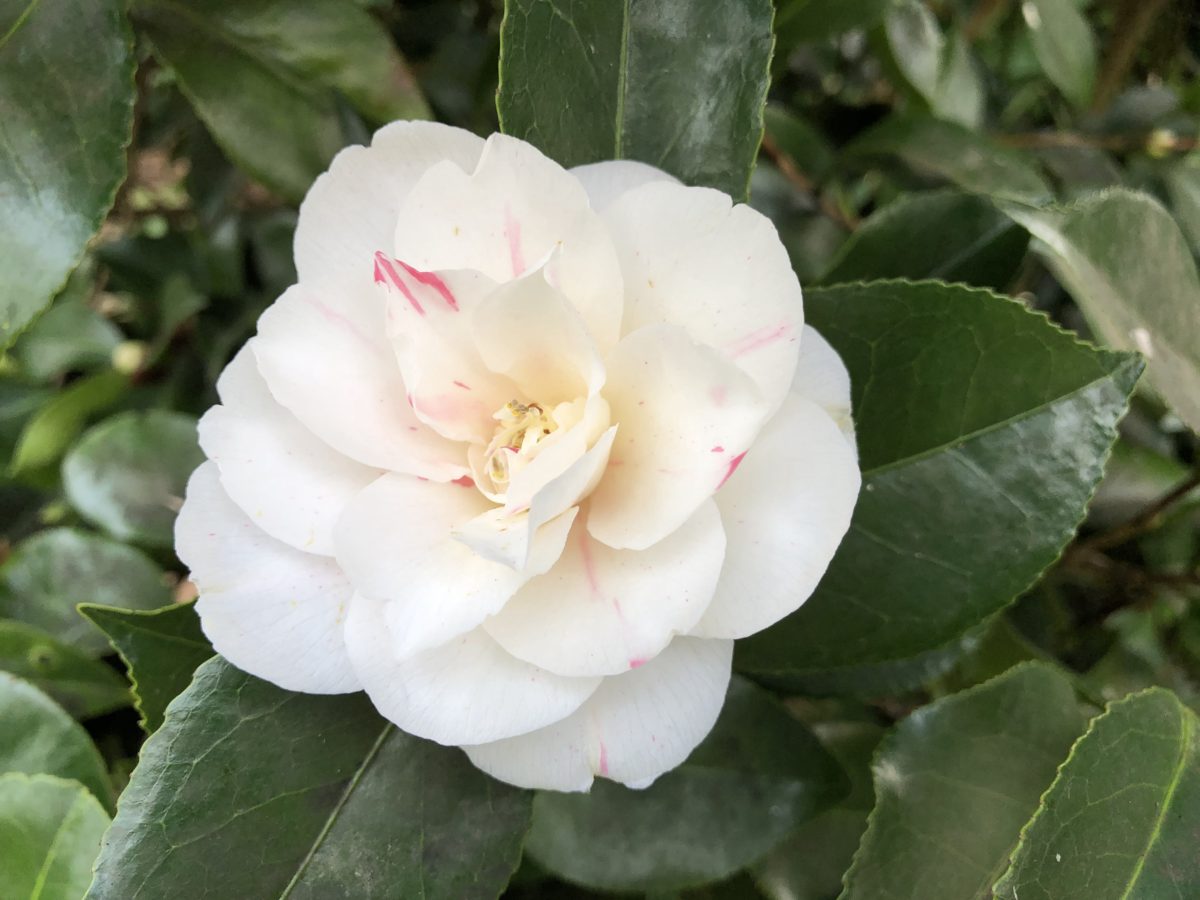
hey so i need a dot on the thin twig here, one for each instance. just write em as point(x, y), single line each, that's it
point(982, 16)
point(1144, 521)
point(1134, 20)
point(1158, 142)
point(791, 171)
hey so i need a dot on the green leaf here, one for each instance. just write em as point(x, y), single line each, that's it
point(161, 648)
point(951, 152)
point(809, 21)
point(1127, 265)
point(963, 237)
point(51, 572)
point(1120, 821)
point(1065, 46)
point(982, 432)
point(1183, 189)
point(49, 433)
point(956, 780)
point(800, 140)
point(941, 72)
point(300, 795)
point(679, 84)
point(50, 830)
point(753, 779)
point(66, 110)
point(83, 686)
point(37, 736)
point(262, 75)
point(128, 474)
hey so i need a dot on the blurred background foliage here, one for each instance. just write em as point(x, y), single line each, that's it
point(896, 132)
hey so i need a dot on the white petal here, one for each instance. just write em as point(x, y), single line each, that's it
point(351, 210)
point(586, 269)
point(335, 371)
point(269, 609)
point(686, 416)
point(395, 543)
point(821, 377)
point(691, 258)
point(465, 691)
point(785, 511)
point(633, 729)
point(291, 484)
point(601, 611)
point(606, 181)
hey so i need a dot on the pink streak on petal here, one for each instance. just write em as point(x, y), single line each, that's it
point(465, 387)
point(512, 232)
point(718, 395)
point(392, 277)
point(756, 340)
point(334, 317)
point(717, 449)
point(464, 481)
point(603, 759)
point(637, 662)
point(431, 280)
point(733, 464)
point(589, 564)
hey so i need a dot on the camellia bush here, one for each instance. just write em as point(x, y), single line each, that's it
point(555, 448)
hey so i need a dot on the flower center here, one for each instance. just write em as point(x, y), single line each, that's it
point(520, 430)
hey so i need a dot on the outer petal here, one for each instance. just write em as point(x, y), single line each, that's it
point(466, 691)
point(691, 258)
point(606, 181)
point(821, 377)
point(785, 511)
point(633, 729)
point(395, 543)
point(285, 479)
point(269, 609)
point(687, 416)
point(328, 361)
point(505, 219)
point(601, 611)
point(351, 210)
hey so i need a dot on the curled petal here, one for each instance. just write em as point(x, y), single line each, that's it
point(821, 377)
point(608, 180)
point(467, 690)
point(687, 417)
point(785, 511)
point(634, 728)
point(268, 608)
point(601, 611)
point(282, 476)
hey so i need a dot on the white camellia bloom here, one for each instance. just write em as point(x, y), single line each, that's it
point(520, 455)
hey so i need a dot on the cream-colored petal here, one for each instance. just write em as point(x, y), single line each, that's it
point(608, 180)
point(821, 377)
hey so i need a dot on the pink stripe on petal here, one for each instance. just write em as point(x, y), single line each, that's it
point(603, 759)
point(756, 340)
point(732, 467)
point(512, 232)
point(431, 280)
point(390, 276)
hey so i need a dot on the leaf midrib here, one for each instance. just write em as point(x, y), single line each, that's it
point(20, 22)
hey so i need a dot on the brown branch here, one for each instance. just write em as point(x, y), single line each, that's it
point(791, 171)
point(1157, 143)
point(1148, 519)
point(982, 16)
point(1135, 18)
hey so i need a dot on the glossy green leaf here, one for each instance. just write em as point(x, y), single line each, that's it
point(954, 783)
point(50, 830)
point(83, 686)
point(940, 71)
point(945, 235)
point(953, 153)
point(800, 141)
point(53, 571)
point(982, 432)
point(300, 795)
point(66, 110)
point(753, 779)
point(808, 21)
point(679, 84)
point(1127, 265)
point(1183, 189)
point(262, 74)
point(37, 736)
point(128, 474)
point(51, 430)
point(161, 648)
point(1120, 821)
point(1065, 46)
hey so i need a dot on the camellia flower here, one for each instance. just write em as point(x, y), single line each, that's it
point(520, 455)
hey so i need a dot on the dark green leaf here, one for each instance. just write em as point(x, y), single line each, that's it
point(1065, 46)
point(50, 830)
point(800, 141)
point(49, 433)
point(161, 648)
point(37, 736)
point(54, 570)
point(754, 778)
point(1121, 820)
point(807, 21)
point(1183, 189)
point(128, 474)
point(956, 780)
point(1125, 262)
point(949, 151)
point(679, 84)
point(982, 432)
point(262, 75)
point(83, 686)
point(940, 71)
point(299, 795)
point(66, 108)
point(941, 234)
